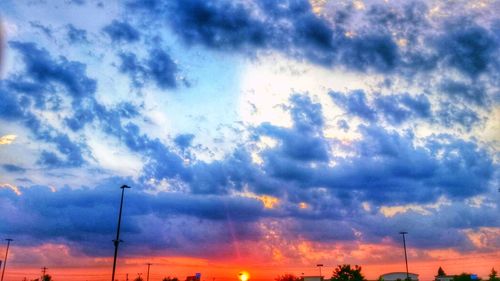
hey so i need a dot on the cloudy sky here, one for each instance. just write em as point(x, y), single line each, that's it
point(256, 135)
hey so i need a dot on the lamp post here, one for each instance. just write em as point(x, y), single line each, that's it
point(319, 265)
point(147, 278)
point(117, 241)
point(406, 257)
point(6, 253)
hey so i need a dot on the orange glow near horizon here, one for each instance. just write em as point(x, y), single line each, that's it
point(64, 266)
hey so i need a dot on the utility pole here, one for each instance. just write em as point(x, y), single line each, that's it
point(6, 255)
point(126, 277)
point(406, 258)
point(147, 278)
point(117, 241)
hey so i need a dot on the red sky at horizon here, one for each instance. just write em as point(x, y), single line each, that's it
point(96, 269)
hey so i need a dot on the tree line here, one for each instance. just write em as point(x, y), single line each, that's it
point(346, 272)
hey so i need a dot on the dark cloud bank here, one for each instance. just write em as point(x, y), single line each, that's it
point(384, 167)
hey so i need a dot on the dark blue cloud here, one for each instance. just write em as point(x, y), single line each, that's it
point(466, 92)
point(50, 159)
point(225, 24)
point(160, 160)
point(121, 32)
point(392, 109)
point(163, 162)
point(468, 47)
point(388, 167)
point(450, 219)
point(79, 119)
point(40, 216)
point(395, 108)
point(288, 26)
point(293, 28)
point(372, 51)
point(383, 160)
point(407, 19)
point(56, 217)
point(76, 35)
point(72, 152)
point(304, 141)
point(184, 141)
point(451, 115)
point(232, 173)
point(399, 108)
point(133, 67)
point(126, 110)
point(41, 74)
point(158, 68)
point(38, 84)
point(10, 108)
point(13, 168)
point(44, 29)
point(70, 149)
point(354, 103)
point(41, 68)
point(419, 105)
point(384, 166)
point(77, 2)
point(162, 69)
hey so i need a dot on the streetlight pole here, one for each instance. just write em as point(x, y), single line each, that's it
point(319, 266)
point(6, 253)
point(117, 241)
point(406, 257)
point(149, 264)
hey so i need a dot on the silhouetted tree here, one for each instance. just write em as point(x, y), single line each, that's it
point(287, 277)
point(441, 272)
point(138, 278)
point(493, 275)
point(464, 277)
point(46, 277)
point(170, 279)
point(346, 273)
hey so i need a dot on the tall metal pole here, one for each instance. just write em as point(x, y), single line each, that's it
point(5, 260)
point(319, 266)
point(406, 257)
point(117, 240)
point(147, 278)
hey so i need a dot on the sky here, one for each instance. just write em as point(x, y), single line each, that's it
point(258, 135)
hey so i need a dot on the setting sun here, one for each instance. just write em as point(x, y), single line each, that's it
point(244, 276)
